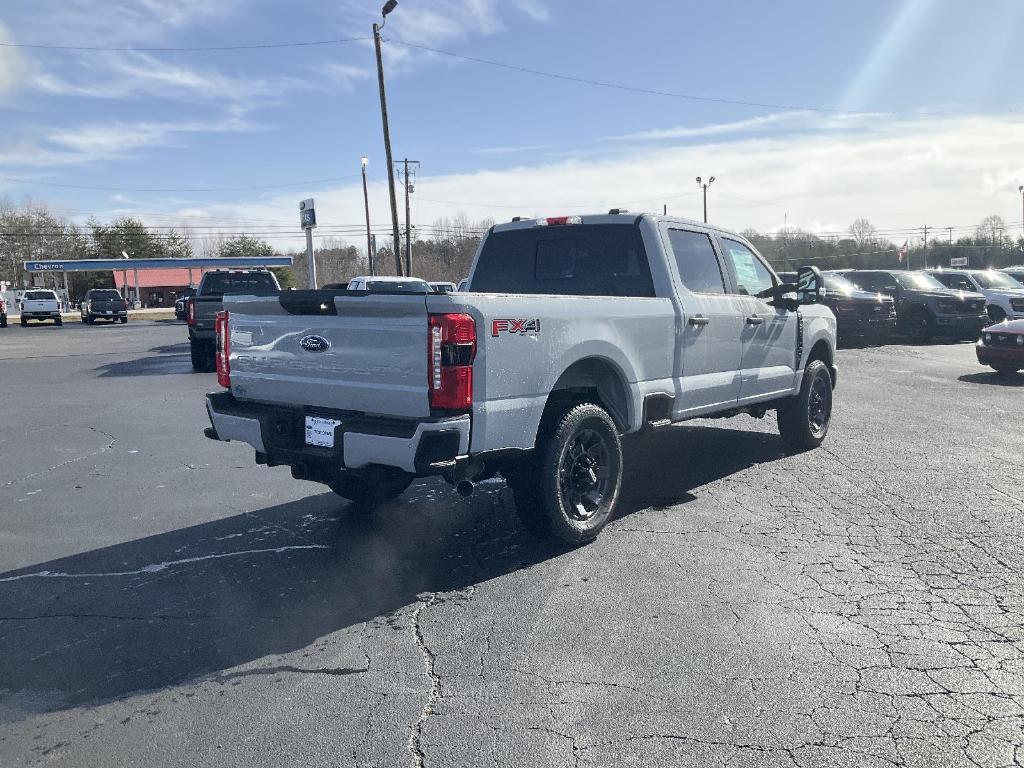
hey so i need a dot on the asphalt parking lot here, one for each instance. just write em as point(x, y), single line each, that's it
point(163, 601)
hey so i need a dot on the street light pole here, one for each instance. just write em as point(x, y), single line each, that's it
point(1021, 190)
point(704, 186)
point(366, 204)
point(389, 6)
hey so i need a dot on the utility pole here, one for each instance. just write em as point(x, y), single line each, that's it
point(366, 204)
point(408, 185)
point(950, 235)
point(704, 186)
point(925, 247)
point(389, 6)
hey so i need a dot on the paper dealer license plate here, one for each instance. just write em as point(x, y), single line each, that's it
point(320, 432)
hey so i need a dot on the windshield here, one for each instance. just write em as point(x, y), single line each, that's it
point(40, 296)
point(239, 284)
point(992, 279)
point(919, 281)
point(839, 283)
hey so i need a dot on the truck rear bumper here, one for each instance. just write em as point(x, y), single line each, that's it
point(422, 447)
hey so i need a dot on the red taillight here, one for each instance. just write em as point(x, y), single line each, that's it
point(190, 312)
point(223, 357)
point(451, 347)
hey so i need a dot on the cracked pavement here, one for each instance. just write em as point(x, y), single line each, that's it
point(165, 602)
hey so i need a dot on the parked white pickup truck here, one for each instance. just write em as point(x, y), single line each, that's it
point(40, 304)
point(573, 332)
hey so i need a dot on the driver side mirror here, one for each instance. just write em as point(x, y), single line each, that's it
point(809, 285)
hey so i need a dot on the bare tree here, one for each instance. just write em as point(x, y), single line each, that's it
point(863, 232)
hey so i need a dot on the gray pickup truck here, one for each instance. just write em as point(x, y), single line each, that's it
point(202, 307)
point(574, 331)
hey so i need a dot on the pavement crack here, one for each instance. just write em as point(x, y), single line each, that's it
point(55, 467)
point(289, 669)
point(416, 734)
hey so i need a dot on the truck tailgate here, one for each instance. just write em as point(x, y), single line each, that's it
point(364, 353)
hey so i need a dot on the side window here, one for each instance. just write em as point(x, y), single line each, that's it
point(946, 279)
point(752, 276)
point(869, 281)
point(698, 265)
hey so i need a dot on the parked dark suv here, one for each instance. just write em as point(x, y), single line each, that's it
point(924, 306)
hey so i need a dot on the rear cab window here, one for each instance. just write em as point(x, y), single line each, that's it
point(566, 260)
point(40, 296)
point(241, 283)
point(696, 260)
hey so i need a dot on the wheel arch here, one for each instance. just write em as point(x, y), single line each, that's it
point(596, 380)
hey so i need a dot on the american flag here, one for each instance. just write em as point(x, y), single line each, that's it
point(903, 250)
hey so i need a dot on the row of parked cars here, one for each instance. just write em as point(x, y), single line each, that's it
point(961, 303)
point(43, 304)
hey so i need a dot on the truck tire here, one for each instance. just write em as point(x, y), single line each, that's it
point(3, 321)
point(124, 321)
point(59, 321)
point(24, 322)
point(367, 492)
point(579, 473)
point(805, 417)
point(200, 355)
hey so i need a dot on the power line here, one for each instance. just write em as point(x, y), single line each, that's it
point(185, 49)
point(178, 189)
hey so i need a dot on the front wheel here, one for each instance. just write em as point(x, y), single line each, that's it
point(804, 418)
point(996, 314)
point(579, 474)
point(919, 326)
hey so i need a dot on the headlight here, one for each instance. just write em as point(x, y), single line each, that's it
point(1020, 341)
point(988, 338)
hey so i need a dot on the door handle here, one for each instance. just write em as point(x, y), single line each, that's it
point(754, 320)
point(698, 320)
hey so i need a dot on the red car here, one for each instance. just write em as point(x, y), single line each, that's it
point(1001, 346)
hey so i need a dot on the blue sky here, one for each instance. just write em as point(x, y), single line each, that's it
point(919, 103)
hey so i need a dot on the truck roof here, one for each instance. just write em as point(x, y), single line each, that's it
point(620, 217)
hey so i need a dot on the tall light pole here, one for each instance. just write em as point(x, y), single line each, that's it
point(1021, 190)
point(704, 186)
point(363, 161)
point(389, 6)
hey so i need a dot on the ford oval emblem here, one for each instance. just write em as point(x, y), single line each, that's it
point(314, 343)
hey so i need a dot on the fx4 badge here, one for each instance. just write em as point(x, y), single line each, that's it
point(499, 327)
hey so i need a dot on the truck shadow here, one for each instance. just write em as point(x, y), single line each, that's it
point(191, 603)
point(994, 379)
point(169, 359)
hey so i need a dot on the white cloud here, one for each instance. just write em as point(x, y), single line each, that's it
point(738, 126)
point(120, 75)
point(534, 9)
point(510, 150)
point(12, 64)
point(346, 75)
point(943, 171)
point(104, 141)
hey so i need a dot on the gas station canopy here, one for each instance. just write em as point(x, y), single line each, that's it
point(109, 265)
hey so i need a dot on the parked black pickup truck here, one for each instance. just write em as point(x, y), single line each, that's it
point(202, 308)
point(924, 306)
point(859, 314)
point(104, 304)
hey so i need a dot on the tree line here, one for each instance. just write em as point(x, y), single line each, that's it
point(443, 250)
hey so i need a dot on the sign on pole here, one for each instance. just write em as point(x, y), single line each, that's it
point(307, 218)
point(958, 261)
